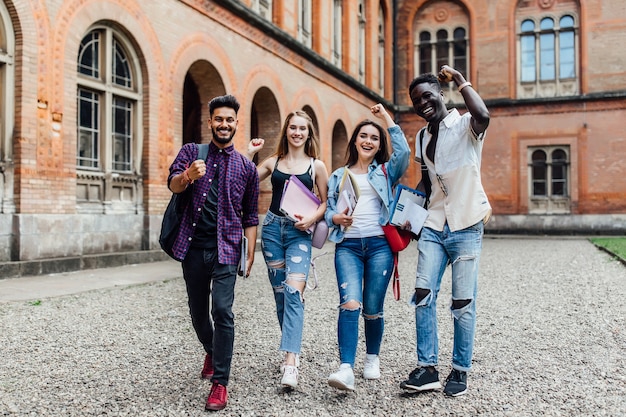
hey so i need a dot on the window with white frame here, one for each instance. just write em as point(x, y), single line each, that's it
point(547, 56)
point(337, 32)
point(442, 46)
point(549, 179)
point(108, 117)
point(381, 50)
point(263, 8)
point(305, 22)
point(7, 110)
point(361, 40)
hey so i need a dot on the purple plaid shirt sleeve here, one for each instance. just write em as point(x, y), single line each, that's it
point(237, 207)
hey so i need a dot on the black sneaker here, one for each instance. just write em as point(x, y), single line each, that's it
point(456, 383)
point(422, 379)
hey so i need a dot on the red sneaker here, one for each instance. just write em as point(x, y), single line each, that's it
point(218, 398)
point(207, 369)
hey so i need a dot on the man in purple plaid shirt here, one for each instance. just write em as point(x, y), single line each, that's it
point(224, 201)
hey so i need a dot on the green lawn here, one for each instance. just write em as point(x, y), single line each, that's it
point(615, 245)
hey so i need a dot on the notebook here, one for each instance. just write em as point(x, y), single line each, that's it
point(298, 200)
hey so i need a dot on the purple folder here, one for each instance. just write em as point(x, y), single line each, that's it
point(298, 199)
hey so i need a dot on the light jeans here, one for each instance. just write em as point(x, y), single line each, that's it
point(287, 253)
point(364, 268)
point(437, 249)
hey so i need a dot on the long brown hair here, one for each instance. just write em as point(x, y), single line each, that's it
point(381, 156)
point(311, 147)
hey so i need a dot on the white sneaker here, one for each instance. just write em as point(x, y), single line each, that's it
point(371, 367)
point(290, 377)
point(282, 365)
point(343, 379)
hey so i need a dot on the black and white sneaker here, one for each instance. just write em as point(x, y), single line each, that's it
point(422, 379)
point(456, 383)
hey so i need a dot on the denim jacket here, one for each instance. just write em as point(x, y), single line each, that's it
point(396, 166)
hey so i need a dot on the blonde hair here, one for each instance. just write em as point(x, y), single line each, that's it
point(311, 147)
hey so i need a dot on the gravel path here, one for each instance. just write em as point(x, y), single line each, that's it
point(551, 341)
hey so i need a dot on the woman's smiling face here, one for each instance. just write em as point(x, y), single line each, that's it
point(367, 142)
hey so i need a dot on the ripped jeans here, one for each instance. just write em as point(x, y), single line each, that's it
point(364, 267)
point(287, 253)
point(437, 249)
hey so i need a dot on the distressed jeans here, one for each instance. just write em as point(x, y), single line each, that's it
point(364, 267)
point(437, 249)
point(287, 253)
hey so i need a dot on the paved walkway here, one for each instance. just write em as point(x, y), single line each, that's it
point(54, 285)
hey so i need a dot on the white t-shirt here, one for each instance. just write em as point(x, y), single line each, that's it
point(367, 211)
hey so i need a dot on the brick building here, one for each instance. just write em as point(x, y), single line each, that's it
point(97, 96)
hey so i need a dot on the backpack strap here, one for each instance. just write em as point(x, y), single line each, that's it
point(425, 177)
point(203, 151)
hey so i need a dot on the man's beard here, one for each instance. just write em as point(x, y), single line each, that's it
point(223, 140)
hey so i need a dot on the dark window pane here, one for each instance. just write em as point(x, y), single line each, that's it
point(559, 155)
point(539, 188)
point(539, 171)
point(89, 55)
point(425, 59)
point(460, 51)
point(443, 57)
point(425, 51)
point(459, 34)
point(539, 156)
point(88, 129)
point(122, 134)
point(121, 69)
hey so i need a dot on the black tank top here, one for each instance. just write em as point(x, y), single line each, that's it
point(278, 183)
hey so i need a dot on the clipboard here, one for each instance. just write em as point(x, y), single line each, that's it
point(408, 204)
point(298, 199)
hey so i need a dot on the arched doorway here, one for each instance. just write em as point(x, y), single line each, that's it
point(202, 83)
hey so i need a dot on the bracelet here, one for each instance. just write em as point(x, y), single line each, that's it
point(186, 177)
point(465, 84)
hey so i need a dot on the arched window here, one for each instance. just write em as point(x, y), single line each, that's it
point(337, 31)
point(305, 22)
point(381, 50)
point(263, 8)
point(109, 117)
point(442, 47)
point(7, 110)
point(549, 179)
point(361, 45)
point(547, 56)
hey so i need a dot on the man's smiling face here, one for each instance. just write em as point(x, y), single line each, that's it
point(428, 102)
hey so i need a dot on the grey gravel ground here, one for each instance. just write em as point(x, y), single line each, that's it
point(551, 341)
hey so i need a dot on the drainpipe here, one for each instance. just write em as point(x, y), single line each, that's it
point(395, 54)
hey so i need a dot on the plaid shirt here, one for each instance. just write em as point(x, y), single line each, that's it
point(237, 205)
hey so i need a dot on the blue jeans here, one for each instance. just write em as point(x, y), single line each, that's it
point(364, 267)
point(437, 249)
point(206, 279)
point(287, 253)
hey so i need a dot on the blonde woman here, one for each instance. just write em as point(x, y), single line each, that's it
point(286, 244)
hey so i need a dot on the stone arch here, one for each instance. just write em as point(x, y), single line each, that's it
point(265, 122)
point(202, 83)
point(340, 140)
